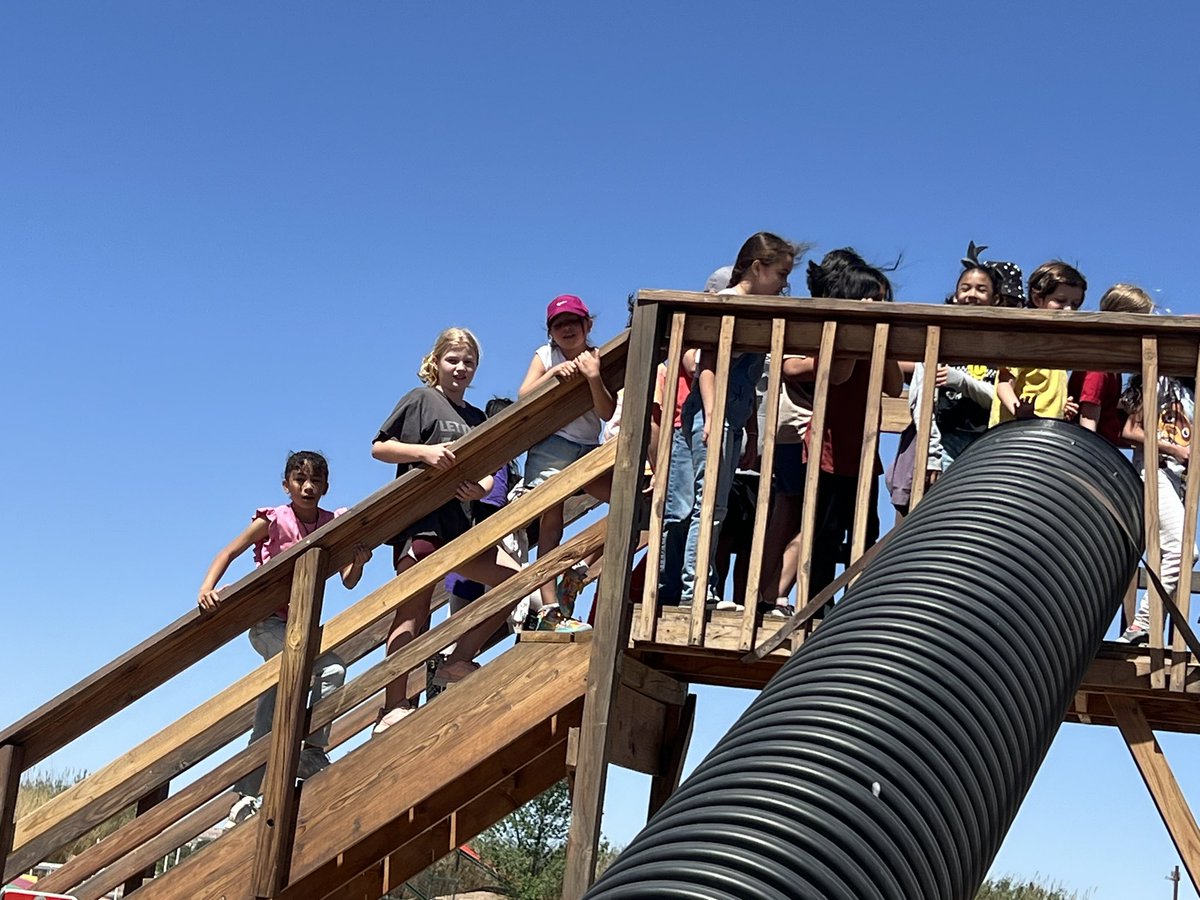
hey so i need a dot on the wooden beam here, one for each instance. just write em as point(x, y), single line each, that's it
point(276, 820)
point(812, 473)
point(611, 635)
point(762, 501)
point(925, 413)
point(12, 759)
point(870, 448)
point(1150, 503)
point(1160, 781)
point(643, 679)
point(1183, 590)
point(677, 737)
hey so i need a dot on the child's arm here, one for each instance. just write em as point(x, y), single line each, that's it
point(435, 456)
point(475, 490)
point(254, 533)
point(354, 569)
point(1089, 415)
point(603, 401)
point(1134, 432)
point(1007, 392)
point(538, 374)
point(804, 368)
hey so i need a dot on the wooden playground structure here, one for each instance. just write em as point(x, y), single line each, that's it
point(553, 705)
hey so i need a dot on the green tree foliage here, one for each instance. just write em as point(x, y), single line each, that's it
point(1009, 888)
point(37, 787)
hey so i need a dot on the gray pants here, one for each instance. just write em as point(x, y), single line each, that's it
point(329, 673)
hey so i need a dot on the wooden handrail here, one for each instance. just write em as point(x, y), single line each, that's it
point(102, 794)
point(372, 521)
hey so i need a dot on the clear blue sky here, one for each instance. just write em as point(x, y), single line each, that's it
point(228, 230)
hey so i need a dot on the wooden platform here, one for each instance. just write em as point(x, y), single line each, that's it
point(1117, 671)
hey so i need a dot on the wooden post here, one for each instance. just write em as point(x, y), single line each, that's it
point(12, 758)
point(705, 544)
point(812, 472)
point(144, 805)
point(1158, 679)
point(611, 634)
point(1160, 781)
point(1183, 591)
point(925, 413)
point(866, 466)
point(272, 854)
point(762, 503)
point(649, 622)
point(677, 737)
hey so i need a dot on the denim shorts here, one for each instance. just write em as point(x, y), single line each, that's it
point(551, 456)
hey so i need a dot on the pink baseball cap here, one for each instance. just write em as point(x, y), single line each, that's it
point(566, 303)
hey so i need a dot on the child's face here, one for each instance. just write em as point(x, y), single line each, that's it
point(770, 278)
point(570, 331)
point(305, 487)
point(1064, 296)
point(973, 289)
point(456, 368)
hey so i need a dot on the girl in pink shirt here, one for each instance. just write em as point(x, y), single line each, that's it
point(271, 531)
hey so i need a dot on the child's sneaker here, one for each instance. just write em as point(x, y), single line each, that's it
point(569, 586)
point(727, 605)
point(780, 609)
point(245, 807)
point(1138, 632)
point(312, 761)
point(551, 618)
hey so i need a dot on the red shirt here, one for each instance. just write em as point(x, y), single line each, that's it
point(683, 387)
point(845, 422)
point(1104, 390)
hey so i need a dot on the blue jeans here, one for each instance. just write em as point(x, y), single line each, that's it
point(731, 450)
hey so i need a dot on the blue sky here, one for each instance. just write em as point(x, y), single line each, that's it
point(230, 230)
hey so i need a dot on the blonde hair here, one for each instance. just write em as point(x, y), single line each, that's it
point(1126, 298)
point(446, 341)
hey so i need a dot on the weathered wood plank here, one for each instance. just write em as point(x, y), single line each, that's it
point(762, 503)
point(926, 411)
point(1150, 502)
point(866, 466)
point(147, 803)
point(276, 819)
point(12, 764)
point(612, 601)
point(1160, 781)
point(812, 474)
point(1183, 591)
point(677, 738)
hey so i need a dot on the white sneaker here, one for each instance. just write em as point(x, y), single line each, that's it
point(726, 605)
point(245, 807)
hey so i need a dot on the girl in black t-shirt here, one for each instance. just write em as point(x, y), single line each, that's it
point(419, 432)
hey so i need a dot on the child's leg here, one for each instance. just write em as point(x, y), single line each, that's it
point(550, 531)
point(681, 486)
point(731, 443)
point(411, 619)
point(491, 568)
point(267, 639)
point(329, 674)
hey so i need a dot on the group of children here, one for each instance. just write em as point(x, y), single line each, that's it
point(428, 419)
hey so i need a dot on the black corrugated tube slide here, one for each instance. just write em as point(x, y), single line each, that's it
point(889, 755)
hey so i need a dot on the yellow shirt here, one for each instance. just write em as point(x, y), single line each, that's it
point(1046, 388)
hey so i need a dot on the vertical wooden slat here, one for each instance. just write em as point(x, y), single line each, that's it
point(933, 339)
point(816, 442)
point(12, 759)
point(646, 628)
point(1150, 496)
point(766, 469)
point(866, 466)
point(611, 634)
point(1183, 593)
point(144, 805)
point(288, 728)
point(1160, 781)
point(712, 468)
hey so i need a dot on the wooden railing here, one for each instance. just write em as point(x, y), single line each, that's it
point(141, 775)
point(873, 333)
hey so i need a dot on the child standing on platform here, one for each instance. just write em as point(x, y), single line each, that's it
point(271, 531)
point(763, 267)
point(418, 433)
point(1023, 393)
point(1099, 393)
point(568, 354)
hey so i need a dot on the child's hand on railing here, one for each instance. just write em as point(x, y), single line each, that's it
point(1024, 409)
point(438, 456)
point(470, 490)
point(588, 364)
point(209, 600)
point(1071, 410)
point(565, 370)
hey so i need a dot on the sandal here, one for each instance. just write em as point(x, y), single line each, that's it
point(573, 581)
point(450, 672)
point(389, 717)
point(552, 618)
